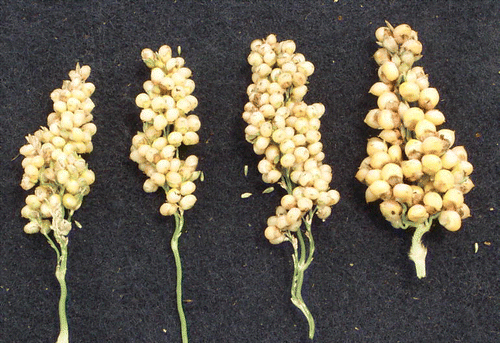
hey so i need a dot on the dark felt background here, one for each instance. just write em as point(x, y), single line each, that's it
point(361, 286)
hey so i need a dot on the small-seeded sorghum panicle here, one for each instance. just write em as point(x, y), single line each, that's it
point(52, 158)
point(167, 124)
point(285, 130)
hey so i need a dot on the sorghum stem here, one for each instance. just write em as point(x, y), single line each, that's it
point(418, 251)
point(179, 223)
point(300, 263)
point(61, 277)
point(300, 266)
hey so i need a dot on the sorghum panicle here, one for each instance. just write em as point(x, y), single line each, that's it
point(52, 157)
point(285, 130)
point(167, 124)
point(412, 166)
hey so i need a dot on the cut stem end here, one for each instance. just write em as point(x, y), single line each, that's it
point(418, 252)
point(417, 255)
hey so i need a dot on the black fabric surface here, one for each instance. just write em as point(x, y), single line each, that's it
point(361, 287)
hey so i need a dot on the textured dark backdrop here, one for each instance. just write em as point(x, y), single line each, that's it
point(361, 286)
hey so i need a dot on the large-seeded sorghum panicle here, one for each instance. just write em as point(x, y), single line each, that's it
point(412, 166)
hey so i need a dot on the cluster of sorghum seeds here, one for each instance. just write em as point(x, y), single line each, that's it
point(283, 128)
point(52, 156)
point(166, 126)
point(412, 165)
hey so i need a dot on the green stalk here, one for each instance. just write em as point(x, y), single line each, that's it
point(61, 277)
point(179, 223)
point(300, 266)
point(300, 263)
point(62, 261)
